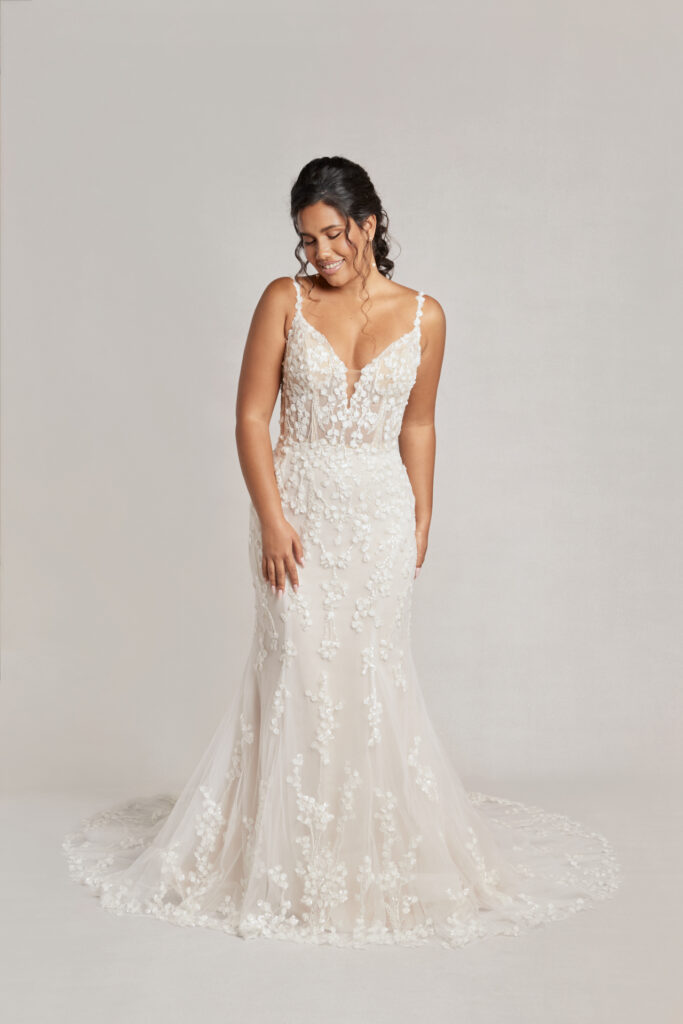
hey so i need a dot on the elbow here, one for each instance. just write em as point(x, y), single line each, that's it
point(246, 423)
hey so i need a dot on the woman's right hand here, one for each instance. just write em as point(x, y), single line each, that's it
point(282, 549)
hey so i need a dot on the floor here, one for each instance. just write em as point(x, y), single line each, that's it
point(64, 959)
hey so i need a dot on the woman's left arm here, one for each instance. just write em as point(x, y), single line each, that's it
point(417, 439)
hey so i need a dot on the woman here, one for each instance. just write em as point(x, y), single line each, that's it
point(325, 808)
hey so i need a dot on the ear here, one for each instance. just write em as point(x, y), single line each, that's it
point(370, 225)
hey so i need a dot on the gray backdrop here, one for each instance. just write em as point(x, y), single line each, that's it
point(529, 157)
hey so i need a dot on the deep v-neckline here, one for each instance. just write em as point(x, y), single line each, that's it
point(340, 363)
point(357, 387)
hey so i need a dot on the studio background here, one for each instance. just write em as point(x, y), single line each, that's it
point(146, 171)
point(529, 157)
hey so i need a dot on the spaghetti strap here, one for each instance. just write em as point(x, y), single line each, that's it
point(298, 294)
point(418, 314)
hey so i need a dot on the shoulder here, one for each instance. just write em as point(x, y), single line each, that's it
point(279, 289)
point(433, 316)
point(282, 290)
point(433, 328)
point(276, 304)
point(432, 310)
point(433, 313)
point(278, 298)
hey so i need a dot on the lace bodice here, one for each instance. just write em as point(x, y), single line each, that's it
point(314, 402)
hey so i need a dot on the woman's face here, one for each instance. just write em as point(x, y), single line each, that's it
point(325, 246)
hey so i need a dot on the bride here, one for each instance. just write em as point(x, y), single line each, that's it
point(325, 807)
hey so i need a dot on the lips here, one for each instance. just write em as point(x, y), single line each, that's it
point(330, 268)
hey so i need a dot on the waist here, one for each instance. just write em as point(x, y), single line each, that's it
point(339, 453)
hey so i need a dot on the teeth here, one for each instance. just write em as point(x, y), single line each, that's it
point(329, 266)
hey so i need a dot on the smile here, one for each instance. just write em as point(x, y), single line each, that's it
point(329, 268)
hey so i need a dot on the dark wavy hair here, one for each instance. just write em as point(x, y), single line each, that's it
point(347, 187)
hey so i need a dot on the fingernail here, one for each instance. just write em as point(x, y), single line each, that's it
point(296, 588)
point(272, 587)
point(417, 571)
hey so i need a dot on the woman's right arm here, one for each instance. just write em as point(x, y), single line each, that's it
point(257, 391)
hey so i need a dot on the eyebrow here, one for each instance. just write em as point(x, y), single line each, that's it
point(329, 226)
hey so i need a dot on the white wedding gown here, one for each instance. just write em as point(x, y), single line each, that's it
point(325, 808)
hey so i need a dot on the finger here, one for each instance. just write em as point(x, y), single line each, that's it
point(271, 574)
point(298, 550)
point(290, 566)
point(280, 576)
point(264, 567)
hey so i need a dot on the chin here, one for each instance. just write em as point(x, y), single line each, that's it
point(332, 279)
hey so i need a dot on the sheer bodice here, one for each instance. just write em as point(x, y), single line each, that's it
point(314, 404)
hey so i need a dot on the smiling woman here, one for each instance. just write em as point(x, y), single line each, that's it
point(326, 808)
